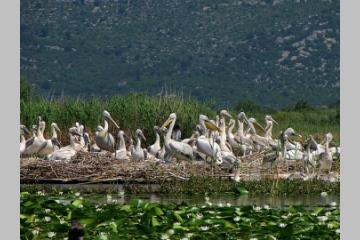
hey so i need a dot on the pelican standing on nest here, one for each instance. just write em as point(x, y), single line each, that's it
point(23, 131)
point(156, 147)
point(34, 144)
point(285, 138)
point(121, 152)
point(104, 140)
point(50, 145)
point(222, 126)
point(172, 146)
point(67, 152)
point(326, 157)
point(245, 141)
point(138, 153)
point(208, 146)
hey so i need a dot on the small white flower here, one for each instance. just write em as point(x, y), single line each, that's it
point(253, 239)
point(165, 237)
point(62, 221)
point(333, 204)
point(185, 238)
point(257, 209)
point(121, 193)
point(35, 232)
point(209, 203)
point(77, 194)
point(199, 216)
point(171, 231)
point(81, 198)
point(220, 205)
point(98, 209)
point(189, 235)
point(322, 218)
point(228, 204)
point(177, 224)
point(207, 198)
point(337, 231)
point(330, 225)
point(236, 219)
point(41, 193)
point(60, 193)
point(51, 234)
point(57, 201)
point(327, 214)
point(80, 206)
point(282, 225)
point(266, 207)
point(47, 219)
point(323, 194)
point(47, 210)
point(108, 196)
point(204, 228)
point(211, 212)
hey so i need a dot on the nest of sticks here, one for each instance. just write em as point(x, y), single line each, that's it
point(86, 167)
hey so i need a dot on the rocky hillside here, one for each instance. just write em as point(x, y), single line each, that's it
point(271, 51)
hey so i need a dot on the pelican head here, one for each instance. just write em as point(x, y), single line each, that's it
point(225, 113)
point(172, 117)
point(73, 132)
point(24, 130)
point(139, 133)
point(231, 122)
point(108, 117)
point(55, 126)
point(289, 132)
point(242, 116)
point(208, 124)
point(270, 118)
point(328, 137)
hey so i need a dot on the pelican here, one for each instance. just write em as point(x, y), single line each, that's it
point(222, 125)
point(121, 152)
point(208, 146)
point(156, 147)
point(326, 157)
point(269, 125)
point(259, 141)
point(103, 138)
point(172, 146)
point(285, 140)
point(310, 158)
point(245, 141)
point(34, 144)
point(138, 153)
point(50, 145)
point(66, 153)
point(176, 134)
point(233, 141)
point(23, 131)
point(228, 158)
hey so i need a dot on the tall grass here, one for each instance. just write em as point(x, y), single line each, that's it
point(141, 111)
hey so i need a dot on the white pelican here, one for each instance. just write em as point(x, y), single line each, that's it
point(103, 138)
point(326, 157)
point(310, 158)
point(156, 147)
point(208, 146)
point(23, 131)
point(269, 125)
point(34, 144)
point(234, 142)
point(172, 146)
point(138, 153)
point(66, 153)
point(259, 142)
point(228, 158)
point(292, 153)
point(121, 152)
point(50, 145)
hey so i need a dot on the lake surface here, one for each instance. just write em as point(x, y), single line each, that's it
point(100, 193)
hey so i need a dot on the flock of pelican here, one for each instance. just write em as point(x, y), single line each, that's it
point(213, 141)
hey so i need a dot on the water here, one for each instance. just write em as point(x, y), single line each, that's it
point(99, 193)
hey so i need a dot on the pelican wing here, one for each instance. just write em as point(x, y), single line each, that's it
point(182, 148)
point(29, 142)
point(56, 142)
point(43, 146)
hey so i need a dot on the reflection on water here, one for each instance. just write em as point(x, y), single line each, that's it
point(98, 193)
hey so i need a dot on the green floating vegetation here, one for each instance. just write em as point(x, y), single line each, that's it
point(48, 216)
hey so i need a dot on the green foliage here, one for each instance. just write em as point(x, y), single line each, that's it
point(25, 90)
point(46, 213)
